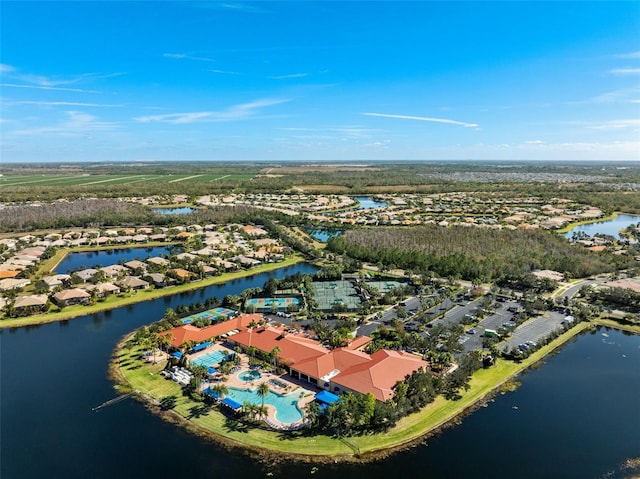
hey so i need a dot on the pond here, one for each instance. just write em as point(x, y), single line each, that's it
point(175, 211)
point(77, 261)
point(367, 202)
point(610, 227)
point(323, 234)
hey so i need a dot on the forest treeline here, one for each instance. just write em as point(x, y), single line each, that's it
point(615, 189)
point(99, 213)
point(474, 253)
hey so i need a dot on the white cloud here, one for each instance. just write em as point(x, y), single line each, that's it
point(6, 68)
point(628, 55)
point(616, 124)
point(616, 96)
point(175, 118)
point(534, 142)
point(61, 103)
point(625, 71)
point(38, 87)
point(224, 72)
point(286, 77)
point(186, 56)
point(424, 118)
point(236, 112)
point(77, 123)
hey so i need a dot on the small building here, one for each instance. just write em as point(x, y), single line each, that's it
point(35, 302)
point(13, 283)
point(158, 261)
point(103, 289)
point(86, 274)
point(69, 297)
point(114, 270)
point(134, 265)
point(57, 280)
point(132, 282)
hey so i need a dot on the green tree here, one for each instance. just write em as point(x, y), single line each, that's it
point(263, 391)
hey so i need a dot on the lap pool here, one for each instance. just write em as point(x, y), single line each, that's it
point(210, 359)
point(287, 410)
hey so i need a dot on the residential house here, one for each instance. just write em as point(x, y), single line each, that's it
point(158, 261)
point(13, 283)
point(103, 289)
point(136, 265)
point(114, 270)
point(132, 282)
point(35, 302)
point(86, 274)
point(57, 280)
point(68, 297)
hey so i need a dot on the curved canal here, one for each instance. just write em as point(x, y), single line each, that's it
point(573, 417)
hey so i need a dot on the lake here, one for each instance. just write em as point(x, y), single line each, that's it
point(576, 414)
point(324, 235)
point(610, 227)
point(175, 211)
point(366, 202)
point(90, 259)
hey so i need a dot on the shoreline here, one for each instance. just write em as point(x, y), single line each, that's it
point(267, 445)
point(570, 226)
point(71, 312)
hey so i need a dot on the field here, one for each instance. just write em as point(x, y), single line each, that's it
point(112, 179)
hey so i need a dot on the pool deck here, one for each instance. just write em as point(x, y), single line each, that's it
point(233, 381)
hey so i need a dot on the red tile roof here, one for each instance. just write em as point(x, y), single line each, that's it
point(181, 334)
point(293, 347)
point(339, 359)
point(380, 374)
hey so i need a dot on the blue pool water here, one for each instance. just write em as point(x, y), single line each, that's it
point(287, 410)
point(209, 359)
point(249, 376)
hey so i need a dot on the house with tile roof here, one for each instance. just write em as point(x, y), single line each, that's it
point(34, 301)
point(68, 297)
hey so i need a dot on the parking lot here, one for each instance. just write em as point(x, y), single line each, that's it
point(534, 330)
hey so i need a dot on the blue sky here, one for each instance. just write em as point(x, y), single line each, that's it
point(319, 81)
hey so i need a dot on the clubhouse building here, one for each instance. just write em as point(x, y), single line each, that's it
point(346, 369)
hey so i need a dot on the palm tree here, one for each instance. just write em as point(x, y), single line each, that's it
point(260, 411)
point(220, 389)
point(263, 390)
point(273, 354)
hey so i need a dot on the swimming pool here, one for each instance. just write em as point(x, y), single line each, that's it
point(209, 359)
point(287, 410)
point(248, 376)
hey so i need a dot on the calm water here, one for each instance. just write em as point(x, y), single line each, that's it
point(610, 227)
point(175, 211)
point(324, 235)
point(577, 415)
point(368, 202)
point(91, 259)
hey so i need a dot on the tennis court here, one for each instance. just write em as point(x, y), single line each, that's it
point(384, 286)
point(261, 305)
point(329, 293)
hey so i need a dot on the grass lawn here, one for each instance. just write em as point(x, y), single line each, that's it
point(145, 378)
